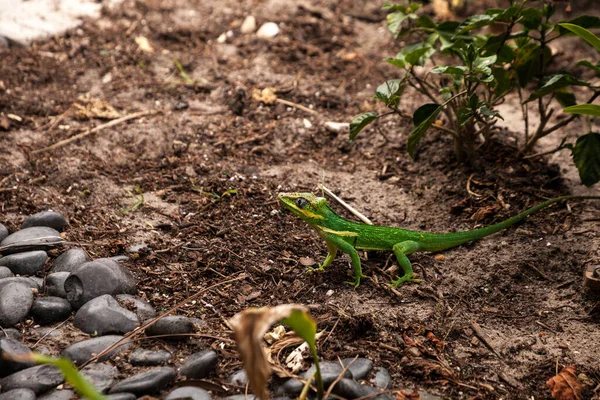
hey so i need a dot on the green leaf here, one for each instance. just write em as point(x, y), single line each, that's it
point(594, 67)
point(389, 92)
point(464, 115)
point(82, 385)
point(584, 109)
point(552, 83)
point(477, 21)
point(394, 21)
point(306, 328)
point(425, 21)
point(584, 21)
point(531, 18)
point(586, 155)
point(565, 98)
point(583, 33)
point(423, 117)
point(503, 82)
point(360, 122)
point(456, 71)
point(482, 62)
point(527, 61)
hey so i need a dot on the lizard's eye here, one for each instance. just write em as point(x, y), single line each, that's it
point(301, 202)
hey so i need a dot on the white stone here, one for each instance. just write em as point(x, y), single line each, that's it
point(268, 30)
point(307, 123)
point(249, 25)
point(337, 127)
point(222, 38)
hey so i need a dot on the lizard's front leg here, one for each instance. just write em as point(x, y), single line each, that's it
point(401, 250)
point(332, 250)
point(347, 248)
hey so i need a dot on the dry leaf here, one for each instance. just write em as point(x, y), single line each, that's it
point(95, 108)
point(440, 257)
point(144, 44)
point(437, 342)
point(249, 328)
point(267, 95)
point(565, 385)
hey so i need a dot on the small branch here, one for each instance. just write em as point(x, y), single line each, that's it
point(296, 105)
point(353, 210)
point(484, 337)
point(96, 129)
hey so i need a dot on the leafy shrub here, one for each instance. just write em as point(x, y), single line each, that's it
point(483, 68)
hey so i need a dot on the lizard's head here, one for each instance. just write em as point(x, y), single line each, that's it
point(305, 205)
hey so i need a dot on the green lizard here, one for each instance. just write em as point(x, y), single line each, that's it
point(348, 236)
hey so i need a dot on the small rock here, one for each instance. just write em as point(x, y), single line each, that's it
point(64, 394)
point(350, 389)
point(241, 397)
point(81, 352)
point(40, 379)
point(55, 284)
point(382, 378)
point(175, 325)
point(142, 309)
point(121, 396)
point(329, 372)
point(238, 378)
point(249, 25)
point(27, 263)
point(104, 315)
point(337, 127)
point(291, 387)
point(18, 394)
point(102, 376)
point(138, 248)
point(15, 302)
point(5, 272)
point(222, 38)
point(145, 357)
point(49, 310)
point(12, 346)
point(95, 278)
point(268, 30)
point(188, 393)
point(49, 218)
point(29, 282)
point(423, 395)
point(69, 260)
point(148, 382)
point(118, 258)
point(29, 239)
point(360, 368)
point(11, 333)
point(199, 365)
point(3, 232)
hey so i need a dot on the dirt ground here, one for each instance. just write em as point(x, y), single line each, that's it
point(210, 163)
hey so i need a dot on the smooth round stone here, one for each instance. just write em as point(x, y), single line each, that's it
point(55, 284)
point(188, 393)
point(104, 315)
point(29, 282)
point(81, 352)
point(423, 395)
point(64, 394)
point(48, 218)
point(15, 302)
point(382, 378)
point(49, 310)
point(121, 396)
point(142, 309)
point(27, 263)
point(145, 357)
point(29, 239)
point(5, 272)
point(268, 30)
point(11, 333)
point(199, 365)
point(102, 376)
point(69, 260)
point(238, 378)
point(241, 397)
point(12, 346)
point(360, 368)
point(95, 278)
point(18, 394)
point(148, 382)
point(40, 379)
point(121, 257)
point(350, 389)
point(3, 232)
point(329, 372)
point(171, 326)
point(291, 387)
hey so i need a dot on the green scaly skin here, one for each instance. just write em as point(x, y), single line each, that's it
point(348, 236)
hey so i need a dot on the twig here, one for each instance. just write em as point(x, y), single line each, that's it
point(156, 319)
point(484, 337)
point(469, 187)
point(298, 106)
point(49, 332)
point(354, 211)
point(96, 129)
point(339, 378)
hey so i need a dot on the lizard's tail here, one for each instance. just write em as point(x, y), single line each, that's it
point(459, 238)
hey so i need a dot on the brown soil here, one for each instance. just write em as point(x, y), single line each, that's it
point(523, 287)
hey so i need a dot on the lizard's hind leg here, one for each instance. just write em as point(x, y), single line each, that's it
point(401, 250)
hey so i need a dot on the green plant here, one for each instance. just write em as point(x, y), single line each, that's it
point(470, 71)
point(138, 196)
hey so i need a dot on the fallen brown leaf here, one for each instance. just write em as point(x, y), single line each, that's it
point(565, 385)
